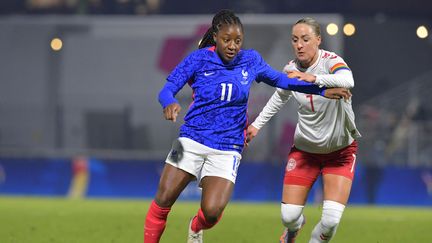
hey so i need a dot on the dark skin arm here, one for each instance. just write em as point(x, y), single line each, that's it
point(302, 76)
point(337, 93)
point(331, 93)
point(171, 111)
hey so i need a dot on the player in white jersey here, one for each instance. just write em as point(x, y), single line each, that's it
point(324, 139)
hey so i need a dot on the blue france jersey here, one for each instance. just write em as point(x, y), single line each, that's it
point(217, 117)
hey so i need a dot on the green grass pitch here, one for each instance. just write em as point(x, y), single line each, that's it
point(29, 219)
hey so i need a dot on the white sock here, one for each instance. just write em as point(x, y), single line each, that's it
point(292, 216)
point(326, 228)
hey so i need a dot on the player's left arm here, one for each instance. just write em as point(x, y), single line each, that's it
point(339, 75)
point(266, 74)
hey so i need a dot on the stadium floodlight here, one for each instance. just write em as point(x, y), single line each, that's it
point(332, 29)
point(349, 29)
point(422, 32)
point(56, 44)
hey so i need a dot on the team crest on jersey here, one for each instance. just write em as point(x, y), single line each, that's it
point(291, 164)
point(245, 77)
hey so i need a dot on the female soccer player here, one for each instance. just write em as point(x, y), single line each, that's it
point(324, 139)
point(212, 137)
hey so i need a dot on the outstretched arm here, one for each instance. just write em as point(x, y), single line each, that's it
point(278, 79)
point(332, 93)
point(274, 104)
point(268, 75)
point(281, 80)
point(294, 84)
point(342, 79)
point(339, 74)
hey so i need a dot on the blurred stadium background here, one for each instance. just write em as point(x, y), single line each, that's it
point(79, 80)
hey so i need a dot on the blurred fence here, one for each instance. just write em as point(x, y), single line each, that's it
point(397, 125)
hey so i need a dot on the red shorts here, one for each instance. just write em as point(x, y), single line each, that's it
point(303, 168)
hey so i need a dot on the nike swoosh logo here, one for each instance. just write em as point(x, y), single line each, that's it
point(208, 73)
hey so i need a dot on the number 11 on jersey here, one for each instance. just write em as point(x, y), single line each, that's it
point(224, 85)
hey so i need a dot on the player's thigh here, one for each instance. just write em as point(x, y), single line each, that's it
point(338, 174)
point(301, 171)
point(295, 194)
point(172, 182)
point(336, 188)
point(216, 193)
point(218, 176)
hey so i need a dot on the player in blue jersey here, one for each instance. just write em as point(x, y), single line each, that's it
point(213, 135)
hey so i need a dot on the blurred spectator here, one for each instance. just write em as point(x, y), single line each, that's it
point(126, 7)
point(51, 6)
point(401, 132)
point(12, 6)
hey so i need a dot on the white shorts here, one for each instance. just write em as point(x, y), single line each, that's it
point(201, 161)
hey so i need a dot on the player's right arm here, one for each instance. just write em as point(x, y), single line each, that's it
point(175, 82)
point(339, 74)
point(275, 78)
point(274, 104)
point(171, 111)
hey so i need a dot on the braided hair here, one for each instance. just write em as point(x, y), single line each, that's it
point(223, 17)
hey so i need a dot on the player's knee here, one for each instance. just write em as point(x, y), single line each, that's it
point(212, 214)
point(164, 201)
point(330, 221)
point(290, 213)
point(165, 197)
point(332, 214)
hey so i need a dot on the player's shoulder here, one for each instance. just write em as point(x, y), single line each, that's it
point(250, 56)
point(333, 62)
point(330, 56)
point(202, 52)
point(197, 58)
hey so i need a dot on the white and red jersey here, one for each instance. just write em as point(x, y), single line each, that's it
point(324, 125)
